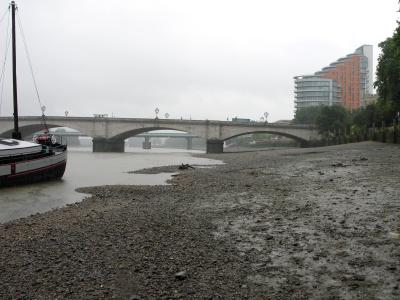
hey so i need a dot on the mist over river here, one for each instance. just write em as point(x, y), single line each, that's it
point(84, 169)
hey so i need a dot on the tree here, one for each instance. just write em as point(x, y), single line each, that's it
point(387, 84)
point(388, 73)
point(307, 115)
point(333, 119)
point(365, 117)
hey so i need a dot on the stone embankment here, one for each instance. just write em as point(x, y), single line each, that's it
point(316, 223)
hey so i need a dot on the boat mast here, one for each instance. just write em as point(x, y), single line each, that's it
point(16, 133)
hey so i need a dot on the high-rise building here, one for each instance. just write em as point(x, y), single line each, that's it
point(311, 90)
point(352, 82)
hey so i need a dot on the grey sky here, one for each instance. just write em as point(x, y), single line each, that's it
point(204, 59)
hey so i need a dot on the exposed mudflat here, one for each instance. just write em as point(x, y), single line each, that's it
point(316, 223)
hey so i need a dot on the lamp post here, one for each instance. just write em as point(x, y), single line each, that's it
point(266, 114)
point(156, 111)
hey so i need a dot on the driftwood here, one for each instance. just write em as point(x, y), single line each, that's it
point(185, 167)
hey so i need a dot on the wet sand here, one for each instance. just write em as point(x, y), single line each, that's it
point(316, 223)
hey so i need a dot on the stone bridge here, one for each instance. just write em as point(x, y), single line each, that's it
point(109, 134)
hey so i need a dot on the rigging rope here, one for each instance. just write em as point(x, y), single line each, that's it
point(2, 76)
point(31, 68)
point(4, 15)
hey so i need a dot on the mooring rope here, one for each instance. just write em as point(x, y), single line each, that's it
point(31, 68)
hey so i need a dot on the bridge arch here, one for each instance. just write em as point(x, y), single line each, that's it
point(68, 137)
point(117, 142)
point(132, 133)
point(125, 130)
point(217, 145)
point(291, 136)
point(28, 130)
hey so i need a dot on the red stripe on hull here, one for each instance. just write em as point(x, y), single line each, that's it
point(40, 169)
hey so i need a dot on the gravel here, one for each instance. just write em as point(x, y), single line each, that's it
point(320, 223)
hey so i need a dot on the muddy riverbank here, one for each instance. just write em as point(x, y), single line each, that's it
point(318, 223)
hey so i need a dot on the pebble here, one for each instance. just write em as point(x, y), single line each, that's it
point(181, 275)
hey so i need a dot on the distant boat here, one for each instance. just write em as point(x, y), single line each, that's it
point(23, 162)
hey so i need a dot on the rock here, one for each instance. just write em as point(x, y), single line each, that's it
point(391, 268)
point(394, 235)
point(359, 277)
point(182, 275)
point(269, 237)
point(338, 164)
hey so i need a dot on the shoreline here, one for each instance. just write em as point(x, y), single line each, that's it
point(84, 170)
point(294, 223)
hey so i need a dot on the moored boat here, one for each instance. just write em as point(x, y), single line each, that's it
point(23, 162)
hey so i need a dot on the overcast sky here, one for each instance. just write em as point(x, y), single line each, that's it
point(204, 59)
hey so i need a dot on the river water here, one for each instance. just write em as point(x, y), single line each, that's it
point(85, 168)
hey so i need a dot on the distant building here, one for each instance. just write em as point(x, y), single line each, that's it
point(311, 90)
point(349, 82)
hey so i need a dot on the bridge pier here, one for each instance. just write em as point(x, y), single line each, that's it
point(215, 146)
point(146, 144)
point(101, 144)
point(189, 143)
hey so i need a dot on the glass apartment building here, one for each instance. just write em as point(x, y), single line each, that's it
point(313, 90)
point(347, 81)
